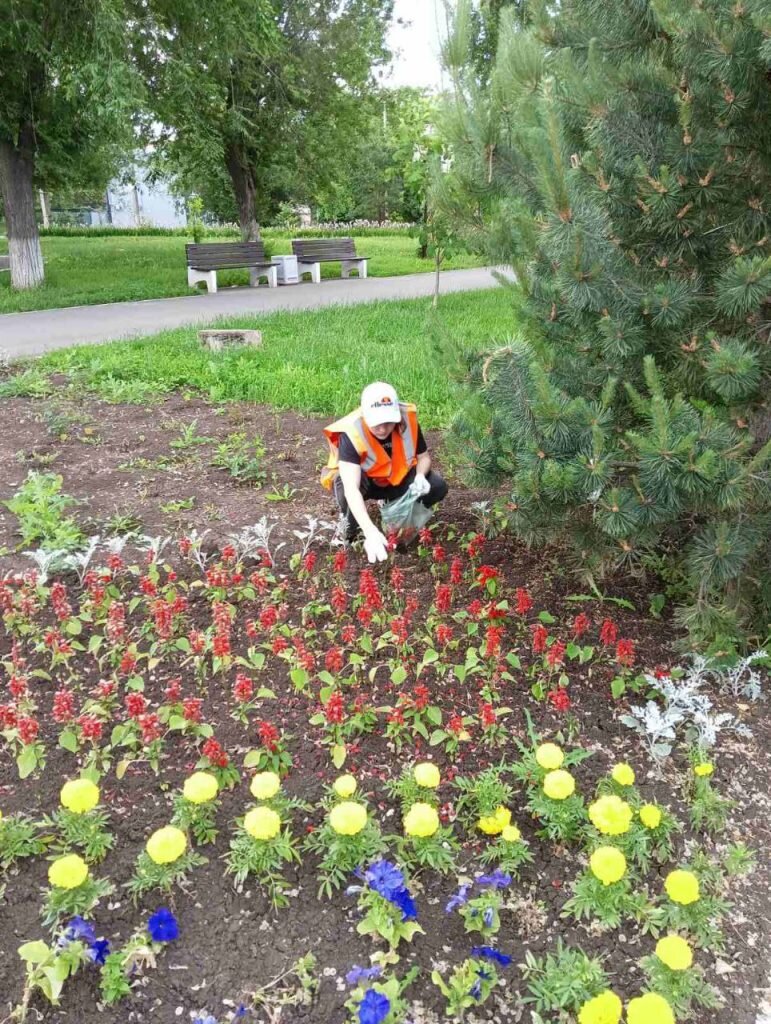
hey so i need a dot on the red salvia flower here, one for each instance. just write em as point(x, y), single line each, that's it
point(438, 553)
point(421, 697)
point(173, 689)
point(215, 753)
point(28, 729)
point(556, 653)
point(443, 598)
point(191, 709)
point(91, 728)
point(334, 709)
point(268, 617)
point(269, 736)
point(348, 634)
point(197, 641)
point(540, 636)
point(136, 705)
point(608, 632)
point(148, 587)
point(487, 715)
point(151, 727)
point(581, 623)
point(64, 705)
point(340, 561)
point(339, 600)
point(333, 660)
point(280, 644)
point(243, 688)
point(425, 536)
point(221, 645)
point(493, 637)
point(559, 698)
point(625, 653)
point(443, 634)
point(397, 579)
point(456, 571)
point(309, 562)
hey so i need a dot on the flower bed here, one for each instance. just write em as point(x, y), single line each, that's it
point(295, 771)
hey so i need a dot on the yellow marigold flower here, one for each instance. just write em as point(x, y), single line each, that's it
point(421, 820)
point(79, 795)
point(265, 785)
point(166, 845)
point(675, 952)
point(348, 818)
point(603, 1009)
point(200, 788)
point(345, 786)
point(68, 872)
point(608, 864)
point(610, 815)
point(426, 774)
point(511, 834)
point(559, 785)
point(549, 756)
point(623, 774)
point(650, 815)
point(682, 887)
point(493, 824)
point(262, 823)
point(703, 769)
point(649, 1009)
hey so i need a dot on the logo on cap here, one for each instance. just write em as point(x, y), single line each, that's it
point(385, 400)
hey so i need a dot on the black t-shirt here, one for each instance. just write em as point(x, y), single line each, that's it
point(347, 453)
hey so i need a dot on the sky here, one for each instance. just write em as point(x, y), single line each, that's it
point(416, 43)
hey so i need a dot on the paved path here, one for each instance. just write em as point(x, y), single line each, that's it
point(30, 334)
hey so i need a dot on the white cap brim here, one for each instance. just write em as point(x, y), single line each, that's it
point(376, 417)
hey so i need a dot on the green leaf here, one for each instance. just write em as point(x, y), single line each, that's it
point(398, 675)
point(252, 758)
point(27, 761)
point(34, 952)
point(94, 644)
point(300, 678)
point(68, 740)
point(74, 627)
point(434, 715)
point(657, 604)
point(120, 768)
point(546, 618)
point(437, 736)
point(617, 687)
point(265, 693)
point(339, 755)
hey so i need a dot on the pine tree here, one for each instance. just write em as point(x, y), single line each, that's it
point(619, 159)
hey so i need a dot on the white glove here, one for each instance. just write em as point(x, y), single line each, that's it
point(376, 546)
point(420, 485)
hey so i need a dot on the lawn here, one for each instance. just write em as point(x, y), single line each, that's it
point(84, 271)
point(314, 362)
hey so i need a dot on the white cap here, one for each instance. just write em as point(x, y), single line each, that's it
point(380, 404)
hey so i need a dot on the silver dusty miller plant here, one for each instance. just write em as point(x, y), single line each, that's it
point(686, 708)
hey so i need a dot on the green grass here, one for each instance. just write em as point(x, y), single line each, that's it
point(313, 362)
point(84, 271)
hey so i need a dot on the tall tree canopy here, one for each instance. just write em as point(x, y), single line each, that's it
point(66, 89)
point(620, 160)
point(266, 91)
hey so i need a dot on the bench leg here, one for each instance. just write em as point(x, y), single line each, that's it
point(346, 266)
point(273, 277)
point(208, 276)
point(314, 269)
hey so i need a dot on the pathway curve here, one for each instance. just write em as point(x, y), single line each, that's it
point(30, 334)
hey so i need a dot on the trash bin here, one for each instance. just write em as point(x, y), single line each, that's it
point(287, 269)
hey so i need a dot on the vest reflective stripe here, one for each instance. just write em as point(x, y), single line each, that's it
point(374, 460)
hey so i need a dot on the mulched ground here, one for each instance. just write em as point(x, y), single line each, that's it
point(117, 460)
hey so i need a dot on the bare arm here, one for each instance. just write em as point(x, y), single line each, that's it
point(424, 464)
point(350, 474)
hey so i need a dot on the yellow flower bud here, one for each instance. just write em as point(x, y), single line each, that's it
point(704, 769)
point(559, 785)
point(200, 788)
point(675, 952)
point(610, 815)
point(79, 795)
point(265, 785)
point(426, 774)
point(623, 774)
point(511, 834)
point(262, 823)
point(649, 1009)
point(608, 864)
point(68, 872)
point(345, 786)
point(493, 824)
point(348, 818)
point(650, 815)
point(605, 1008)
point(682, 887)
point(166, 845)
point(421, 821)
point(549, 756)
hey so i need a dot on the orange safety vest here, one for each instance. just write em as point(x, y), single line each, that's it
point(375, 462)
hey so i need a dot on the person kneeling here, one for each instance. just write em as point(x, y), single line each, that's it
point(378, 452)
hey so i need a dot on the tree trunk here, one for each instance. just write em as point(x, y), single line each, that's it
point(245, 191)
point(45, 208)
point(17, 167)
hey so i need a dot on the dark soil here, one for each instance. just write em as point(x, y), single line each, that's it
point(232, 943)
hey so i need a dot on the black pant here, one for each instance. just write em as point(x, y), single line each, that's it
point(370, 492)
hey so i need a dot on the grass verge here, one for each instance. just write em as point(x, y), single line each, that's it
point(313, 362)
point(85, 271)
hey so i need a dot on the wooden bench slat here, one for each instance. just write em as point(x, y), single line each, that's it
point(325, 249)
point(224, 255)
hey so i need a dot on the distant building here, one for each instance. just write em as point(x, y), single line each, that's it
point(143, 204)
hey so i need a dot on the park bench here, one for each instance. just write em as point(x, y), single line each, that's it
point(312, 252)
point(5, 263)
point(206, 258)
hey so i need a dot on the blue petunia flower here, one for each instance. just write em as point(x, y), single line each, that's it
point(208, 1019)
point(498, 879)
point(357, 974)
point(404, 901)
point(476, 990)
point(488, 917)
point(385, 878)
point(374, 1007)
point(163, 926)
point(491, 953)
point(98, 951)
point(459, 899)
point(77, 930)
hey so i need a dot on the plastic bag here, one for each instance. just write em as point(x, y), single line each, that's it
point(404, 515)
